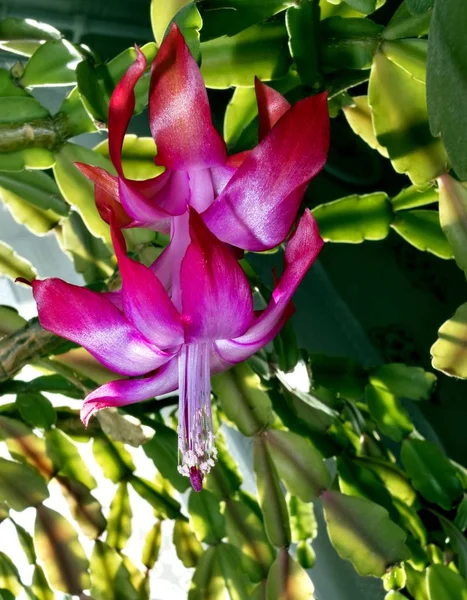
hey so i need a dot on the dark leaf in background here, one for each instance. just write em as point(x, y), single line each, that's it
point(447, 81)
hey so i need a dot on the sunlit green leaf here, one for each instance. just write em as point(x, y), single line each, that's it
point(404, 381)
point(208, 582)
point(186, 544)
point(236, 580)
point(24, 445)
point(415, 196)
point(152, 546)
point(362, 533)
point(20, 109)
point(12, 265)
point(162, 450)
point(164, 505)
point(9, 576)
point(243, 399)
point(25, 36)
point(84, 508)
point(453, 215)
point(287, 580)
point(205, 517)
point(357, 480)
point(299, 464)
point(408, 54)
point(245, 530)
point(416, 583)
point(138, 155)
point(62, 556)
point(33, 199)
point(54, 63)
point(388, 412)
point(110, 578)
point(39, 586)
point(306, 556)
point(27, 543)
point(358, 115)
point(90, 255)
point(303, 523)
point(400, 121)
point(119, 521)
point(431, 472)
point(270, 495)
point(260, 50)
point(354, 219)
point(393, 477)
point(114, 460)
point(445, 584)
point(67, 459)
point(422, 229)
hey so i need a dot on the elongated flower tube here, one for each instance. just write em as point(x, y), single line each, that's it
point(248, 200)
point(169, 340)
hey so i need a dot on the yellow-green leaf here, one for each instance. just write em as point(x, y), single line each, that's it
point(362, 532)
point(453, 217)
point(422, 229)
point(354, 219)
point(287, 580)
point(400, 120)
point(119, 521)
point(62, 556)
point(449, 352)
point(12, 265)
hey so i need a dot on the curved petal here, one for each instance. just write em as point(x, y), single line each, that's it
point(271, 106)
point(179, 112)
point(91, 320)
point(128, 391)
point(144, 212)
point(145, 302)
point(201, 189)
point(106, 194)
point(254, 210)
point(216, 297)
point(302, 249)
point(162, 268)
point(121, 107)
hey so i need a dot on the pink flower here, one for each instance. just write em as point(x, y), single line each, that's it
point(248, 200)
point(174, 340)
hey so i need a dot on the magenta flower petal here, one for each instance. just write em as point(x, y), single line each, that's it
point(106, 194)
point(142, 210)
point(121, 107)
point(271, 106)
point(91, 320)
point(128, 391)
point(216, 297)
point(258, 206)
point(302, 249)
point(145, 302)
point(179, 113)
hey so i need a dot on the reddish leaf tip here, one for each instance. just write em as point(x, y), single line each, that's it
point(23, 280)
